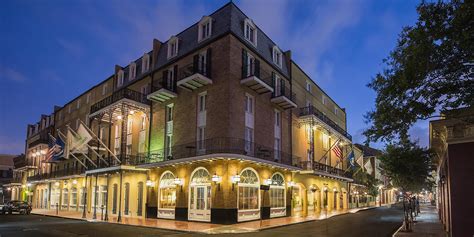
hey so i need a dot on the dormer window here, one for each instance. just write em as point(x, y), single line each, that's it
point(205, 28)
point(277, 56)
point(132, 71)
point(145, 63)
point(119, 78)
point(250, 31)
point(173, 47)
point(308, 86)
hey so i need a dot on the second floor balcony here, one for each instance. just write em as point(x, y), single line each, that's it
point(119, 96)
point(163, 89)
point(283, 97)
point(313, 112)
point(221, 145)
point(326, 170)
point(256, 79)
point(57, 174)
point(195, 75)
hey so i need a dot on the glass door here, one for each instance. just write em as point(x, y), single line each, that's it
point(200, 203)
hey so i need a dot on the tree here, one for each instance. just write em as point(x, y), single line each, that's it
point(368, 181)
point(408, 166)
point(431, 69)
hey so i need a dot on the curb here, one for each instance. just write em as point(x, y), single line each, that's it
point(398, 230)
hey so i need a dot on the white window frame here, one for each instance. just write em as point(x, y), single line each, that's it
point(104, 89)
point(132, 71)
point(78, 103)
point(145, 63)
point(205, 25)
point(249, 25)
point(308, 87)
point(323, 99)
point(120, 78)
point(277, 56)
point(88, 98)
point(69, 109)
point(173, 52)
point(336, 110)
point(256, 187)
point(278, 210)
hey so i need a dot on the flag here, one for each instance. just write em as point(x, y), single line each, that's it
point(350, 157)
point(368, 167)
point(55, 149)
point(78, 142)
point(337, 150)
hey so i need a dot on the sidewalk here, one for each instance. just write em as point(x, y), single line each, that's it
point(200, 227)
point(427, 224)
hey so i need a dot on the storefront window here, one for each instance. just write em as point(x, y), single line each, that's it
point(277, 191)
point(65, 198)
point(73, 197)
point(167, 191)
point(248, 190)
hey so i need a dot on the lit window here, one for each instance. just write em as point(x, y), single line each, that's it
point(248, 192)
point(145, 63)
point(250, 31)
point(202, 102)
point(323, 99)
point(325, 141)
point(132, 71)
point(308, 86)
point(78, 105)
point(120, 78)
point(167, 199)
point(277, 56)
point(205, 28)
point(335, 110)
point(248, 104)
point(173, 47)
point(277, 196)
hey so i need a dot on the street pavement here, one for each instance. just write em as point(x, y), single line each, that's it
point(382, 221)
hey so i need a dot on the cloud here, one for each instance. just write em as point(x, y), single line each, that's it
point(72, 47)
point(10, 74)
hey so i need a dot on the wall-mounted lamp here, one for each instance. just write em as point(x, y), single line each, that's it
point(267, 181)
point(313, 188)
point(8, 189)
point(150, 183)
point(28, 184)
point(235, 179)
point(23, 186)
point(56, 184)
point(132, 111)
point(179, 182)
point(43, 152)
point(74, 181)
point(119, 117)
point(365, 193)
point(334, 189)
point(217, 180)
point(291, 183)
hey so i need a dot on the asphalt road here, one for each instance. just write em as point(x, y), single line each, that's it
point(381, 221)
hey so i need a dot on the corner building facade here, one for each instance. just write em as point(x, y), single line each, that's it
point(217, 124)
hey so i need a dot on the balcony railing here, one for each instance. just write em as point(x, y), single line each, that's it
point(284, 91)
point(311, 110)
point(57, 174)
point(216, 146)
point(316, 166)
point(257, 79)
point(123, 93)
point(193, 68)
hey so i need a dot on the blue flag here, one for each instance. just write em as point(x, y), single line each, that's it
point(351, 158)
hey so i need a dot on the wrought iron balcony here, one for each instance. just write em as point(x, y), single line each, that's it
point(163, 90)
point(220, 145)
point(311, 110)
point(283, 97)
point(327, 169)
point(57, 174)
point(194, 76)
point(123, 93)
point(257, 79)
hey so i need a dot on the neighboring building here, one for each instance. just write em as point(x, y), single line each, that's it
point(452, 139)
point(217, 124)
point(6, 176)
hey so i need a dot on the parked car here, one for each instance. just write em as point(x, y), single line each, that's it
point(17, 206)
point(1, 208)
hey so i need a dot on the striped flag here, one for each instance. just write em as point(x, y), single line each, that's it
point(55, 149)
point(337, 150)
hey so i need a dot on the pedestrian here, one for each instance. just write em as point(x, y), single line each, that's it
point(417, 206)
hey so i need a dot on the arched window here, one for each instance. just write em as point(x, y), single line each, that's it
point(140, 199)
point(114, 198)
point(277, 196)
point(65, 198)
point(73, 197)
point(127, 199)
point(167, 196)
point(248, 195)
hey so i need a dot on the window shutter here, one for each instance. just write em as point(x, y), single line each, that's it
point(196, 63)
point(244, 63)
point(256, 68)
point(175, 76)
point(208, 63)
point(282, 83)
point(273, 84)
point(164, 79)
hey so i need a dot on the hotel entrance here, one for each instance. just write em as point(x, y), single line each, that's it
point(200, 196)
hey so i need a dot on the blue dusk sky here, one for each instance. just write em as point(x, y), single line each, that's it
point(53, 50)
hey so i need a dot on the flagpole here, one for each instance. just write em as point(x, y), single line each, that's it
point(329, 150)
point(100, 141)
point(97, 154)
point(80, 162)
point(61, 134)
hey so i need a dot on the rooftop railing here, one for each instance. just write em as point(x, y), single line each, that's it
point(311, 110)
point(317, 166)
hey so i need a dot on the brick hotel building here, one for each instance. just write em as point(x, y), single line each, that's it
point(216, 124)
